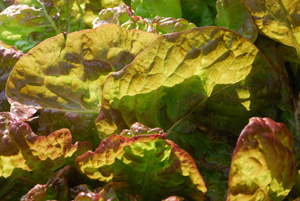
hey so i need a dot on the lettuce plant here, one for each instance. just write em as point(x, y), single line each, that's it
point(147, 106)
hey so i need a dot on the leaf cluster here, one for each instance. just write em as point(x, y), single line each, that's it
point(127, 100)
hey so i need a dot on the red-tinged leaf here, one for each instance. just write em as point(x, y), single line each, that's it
point(20, 148)
point(264, 162)
point(154, 167)
point(108, 192)
point(8, 58)
point(37, 193)
point(174, 198)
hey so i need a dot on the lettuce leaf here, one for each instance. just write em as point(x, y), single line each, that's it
point(81, 125)
point(74, 68)
point(65, 184)
point(200, 12)
point(124, 16)
point(278, 20)
point(23, 26)
point(228, 10)
point(152, 165)
point(210, 75)
point(264, 162)
point(8, 58)
point(151, 8)
point(21, 149)
point(28, 22)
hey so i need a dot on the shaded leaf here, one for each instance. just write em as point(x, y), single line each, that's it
point(62, 185)
point(8, 58)
point(81, 125)
point(228, 10)
point(151, 164)
point(264, 162)
point(212, 153)
point(108, 192)
point(200, 12)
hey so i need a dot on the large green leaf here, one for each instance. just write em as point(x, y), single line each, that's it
point(264, 162)
point(211, 76)
point(154, 167)
point(228, 10)
point(153, 8)
point(200, 12)
point(67, 72)
point(23, 26)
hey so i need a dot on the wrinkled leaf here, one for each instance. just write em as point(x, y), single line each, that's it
point(278, 20)
point(210, 75)
point(263, 163)
point(170, 25)
point(8, 58)
point(123, 16)
point(21, 149)
point(151, 164)
point(153, 8)
point(71, 73)
point(93, 7)
point(81, 125)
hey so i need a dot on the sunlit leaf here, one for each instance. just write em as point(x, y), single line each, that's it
point(263, 163)
point(68, 72)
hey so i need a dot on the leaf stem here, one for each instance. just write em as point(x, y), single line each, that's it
point(48, 17)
